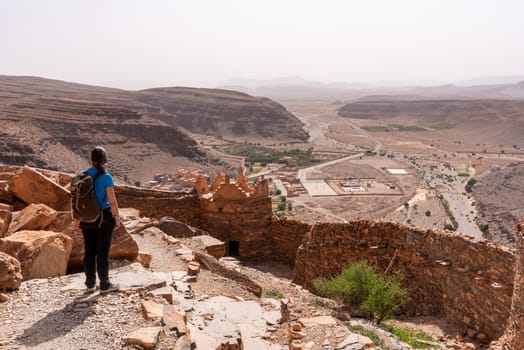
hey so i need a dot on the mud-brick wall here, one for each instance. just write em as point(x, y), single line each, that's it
point(283, 239)
point(158, 204)
point(244, 221)
point(469, 283)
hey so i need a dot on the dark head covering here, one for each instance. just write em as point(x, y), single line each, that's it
point(99, 158)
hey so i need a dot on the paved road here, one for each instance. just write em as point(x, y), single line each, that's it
point(319, 134)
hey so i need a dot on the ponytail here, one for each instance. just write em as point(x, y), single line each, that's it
point(99, 159)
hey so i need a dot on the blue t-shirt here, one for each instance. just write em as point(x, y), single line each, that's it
point(101, 183)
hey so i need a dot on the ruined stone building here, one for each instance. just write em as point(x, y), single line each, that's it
point(469, 282)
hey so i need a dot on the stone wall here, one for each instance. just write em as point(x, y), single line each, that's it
point(514, 335)
point(157, 204)
point(284, 237)
point(468, 282)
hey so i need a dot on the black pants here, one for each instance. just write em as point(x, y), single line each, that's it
point(97, 242)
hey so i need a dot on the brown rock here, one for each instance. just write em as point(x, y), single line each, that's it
point(296, 326)
point(296, 335)
point(5, 195)
point(177, 228)
point(144, 259)
point(469, 346)
point(41, 253)
point(61, 221)
point(5, 220)
point(145, 337)
point(4, 297)
point(175, 319)
point(182, 343)
point(32, 217)
point(10, 272)
point(33, 187)
point(211, 245)
point(193, 268)
point(123, 245)
point(152, 310)
point(164, 292)
point(481, 337)
point(296, 345)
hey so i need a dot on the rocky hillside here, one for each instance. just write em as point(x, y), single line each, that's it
point(54, 124)
point(487, 121)
point(500, 199)
point(226, 113)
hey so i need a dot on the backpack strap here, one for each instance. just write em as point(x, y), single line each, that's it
point(97, 175)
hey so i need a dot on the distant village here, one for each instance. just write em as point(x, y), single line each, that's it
point(282, 178)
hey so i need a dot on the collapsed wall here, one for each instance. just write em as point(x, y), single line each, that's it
point(470, 283)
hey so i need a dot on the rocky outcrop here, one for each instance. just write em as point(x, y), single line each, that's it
point(32, 217)
point(41, 253)
point(468, 282)
point(32, 187)
point(10, 272)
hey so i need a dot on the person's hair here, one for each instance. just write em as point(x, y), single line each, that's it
point(99, 158)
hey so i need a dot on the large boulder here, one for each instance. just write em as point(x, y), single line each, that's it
point(5, 220)
point(123, 246)
point(32, 187)
point(10, 272)
point(32, 217)
point(178, 229)
point(41, 253)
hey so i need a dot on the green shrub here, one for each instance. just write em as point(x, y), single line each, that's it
point(469, 185)
point(359, 287)
point(417, 339)
point(352, 285)
point(273, 294)
point(367, 333)
point(385, 297)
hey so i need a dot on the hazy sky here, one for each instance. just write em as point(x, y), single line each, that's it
point(139, 44)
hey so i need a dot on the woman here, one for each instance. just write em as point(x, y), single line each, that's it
point(98, 234)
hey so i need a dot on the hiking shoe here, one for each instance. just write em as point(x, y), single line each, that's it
point(110, 288)
point(90, 290)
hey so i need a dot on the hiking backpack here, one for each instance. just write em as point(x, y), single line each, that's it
point(84, 204)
